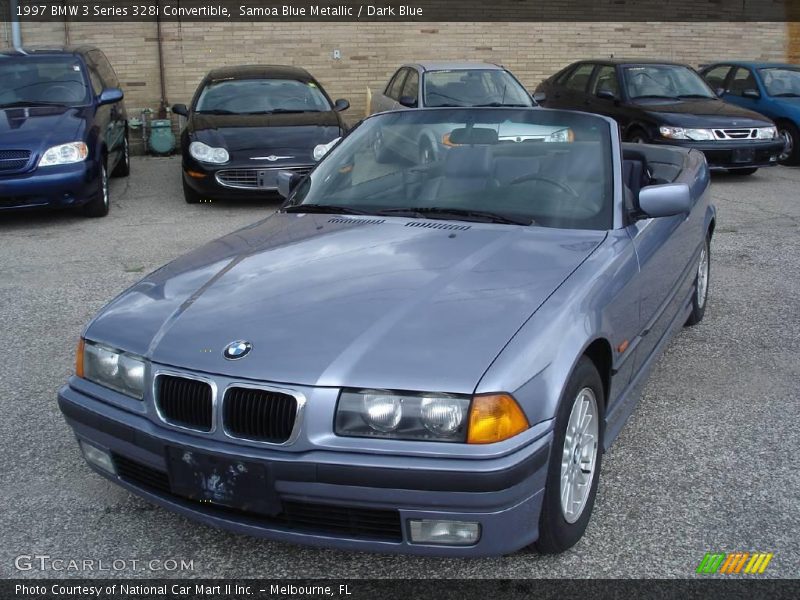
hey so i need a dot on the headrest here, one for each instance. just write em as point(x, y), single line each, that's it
point(468, 161)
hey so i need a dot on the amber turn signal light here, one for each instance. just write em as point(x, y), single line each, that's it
point(494, 418)
point(79, 358)
point(195, 174)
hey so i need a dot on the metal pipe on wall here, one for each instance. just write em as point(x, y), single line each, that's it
point(16, 32)
point(162, 109)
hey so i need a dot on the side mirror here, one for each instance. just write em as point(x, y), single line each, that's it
point(287, 181)
point(180, 109)
point(408, 101)
point(321, 150)
point(341, 104)
point(539, 97)
point(751, 94)
point(606, 94)
point(665, 200)
point(110, 96)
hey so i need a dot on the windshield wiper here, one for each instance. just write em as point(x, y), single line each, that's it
point(696, 96)
point(655, 96)
point(324, 209)
point(786, 95)
point(22, 103)
point(499, 104)
point(216, 111)
point(456, 214)
point(282, 111)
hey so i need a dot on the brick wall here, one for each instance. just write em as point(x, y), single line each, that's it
point(371, 51)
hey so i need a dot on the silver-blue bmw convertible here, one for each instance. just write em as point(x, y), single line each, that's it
point(414, 354)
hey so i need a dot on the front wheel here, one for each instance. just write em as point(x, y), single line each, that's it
point(98, 206)
point(637, 136)
point(575, 459)
point(791, 139)
point(123, 168)
point(701, 281)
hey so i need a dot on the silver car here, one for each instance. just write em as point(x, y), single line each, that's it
point(452, 84)
point(426, 358)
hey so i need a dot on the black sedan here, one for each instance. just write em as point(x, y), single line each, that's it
point(666, 103)
point(247, 123)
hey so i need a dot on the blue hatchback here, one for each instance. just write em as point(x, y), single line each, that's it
point(772, 89)
point(63, 129)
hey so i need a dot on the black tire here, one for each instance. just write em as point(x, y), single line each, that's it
point(700, 299)
point(556, 533)
point(190, 195)
point(791, 133)
point(743, 172)
point(123, 168)
point(98, 206)
point(638, 136)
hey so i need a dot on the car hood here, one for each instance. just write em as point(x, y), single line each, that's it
point(249, 136)
point(334, 301)
point(702, 113)
point(38, 128)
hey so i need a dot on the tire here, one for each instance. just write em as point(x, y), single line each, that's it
point(98, 206)
point(190, 195)
point(791, 135)
point(560, 528)
point(123, 168)
point(700, 298)
point(638, 136)
point(743, 172)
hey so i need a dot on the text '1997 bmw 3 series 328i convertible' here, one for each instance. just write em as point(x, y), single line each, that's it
point(423, 357)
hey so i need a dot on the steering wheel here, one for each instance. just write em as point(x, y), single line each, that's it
point(534, 177)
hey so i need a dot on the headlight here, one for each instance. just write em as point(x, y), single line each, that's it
point(321, 150)
point(64, 154)
point(767, 133)
point(683, 133)
point(205, 153)
point(483, 419)
point(562, 135)
point(115, 369)
point(383, 414)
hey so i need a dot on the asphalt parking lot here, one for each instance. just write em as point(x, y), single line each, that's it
point(708, 462)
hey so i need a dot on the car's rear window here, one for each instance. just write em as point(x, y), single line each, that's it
point(258, 96)
point(35, 80)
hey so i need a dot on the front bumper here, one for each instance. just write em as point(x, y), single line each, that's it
point(734, 154)
point(344, 499)
point(58, 186)
point(237, 181)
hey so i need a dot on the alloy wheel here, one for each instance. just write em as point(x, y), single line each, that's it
point(579, 455)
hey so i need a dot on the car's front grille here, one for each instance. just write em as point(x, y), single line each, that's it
point(14, 160)
point(255, 179)
point(736, 134)
point(300, 516)
point(259, 415)
point(185, 402)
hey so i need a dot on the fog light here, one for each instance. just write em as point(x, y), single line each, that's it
point(449, 533)
point(99, 458)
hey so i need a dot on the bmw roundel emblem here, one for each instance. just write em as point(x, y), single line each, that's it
point(236, 350)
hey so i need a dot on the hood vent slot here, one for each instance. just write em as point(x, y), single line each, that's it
point(349, 221)
point(448, 226)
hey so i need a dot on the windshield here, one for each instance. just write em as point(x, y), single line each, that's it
point(476, 87)
point(40, 80)
point(513, 166)
point(664, 81)
point(781, 81)
point(254, 96)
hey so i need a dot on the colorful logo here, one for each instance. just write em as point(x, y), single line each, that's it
point(734, 563)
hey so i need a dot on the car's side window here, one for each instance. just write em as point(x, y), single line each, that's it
point(394, 87)
point(579, 78)
point(716, 77)
point(741, 82)
point(411, 85)
point(606, 80)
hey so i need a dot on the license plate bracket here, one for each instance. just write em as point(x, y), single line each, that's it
point(743, 155)
point(223, 481)
point(266, 179)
